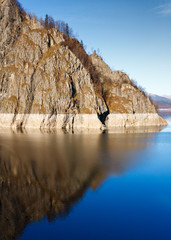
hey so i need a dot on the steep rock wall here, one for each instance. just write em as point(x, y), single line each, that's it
point(121, 95)
point(40, 75)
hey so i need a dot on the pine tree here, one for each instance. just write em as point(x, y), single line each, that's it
point(46, 24)
point(67, 30)
point(82, 44)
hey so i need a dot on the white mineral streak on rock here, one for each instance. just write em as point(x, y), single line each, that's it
point(44, 85)
point(134, 120)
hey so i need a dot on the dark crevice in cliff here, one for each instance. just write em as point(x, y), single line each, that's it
point(73, 88)
point(57, 76)
point(102, 117)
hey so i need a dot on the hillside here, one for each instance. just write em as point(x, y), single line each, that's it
point(167, 96)
point(164, 103)
point(46, 73)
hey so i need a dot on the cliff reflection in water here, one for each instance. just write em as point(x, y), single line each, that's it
point(44, 175)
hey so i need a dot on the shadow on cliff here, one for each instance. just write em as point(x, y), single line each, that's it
point(102, 117)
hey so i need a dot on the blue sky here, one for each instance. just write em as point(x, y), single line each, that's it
point(132, 35)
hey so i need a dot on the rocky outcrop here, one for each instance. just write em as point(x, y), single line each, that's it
point(80, 122)
point(120, 94)
point(134, 120)
point(40, 75)
point(10, 26)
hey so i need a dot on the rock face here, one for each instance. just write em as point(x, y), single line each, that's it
point(121, 95)
point(40, 75)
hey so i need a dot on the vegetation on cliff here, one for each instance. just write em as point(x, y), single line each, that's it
point(45, 70)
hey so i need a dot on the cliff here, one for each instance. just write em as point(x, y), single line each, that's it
point(42, 80)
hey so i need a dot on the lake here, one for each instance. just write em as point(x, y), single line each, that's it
point(112, 185)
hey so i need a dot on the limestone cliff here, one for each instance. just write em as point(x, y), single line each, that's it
point(39, 74)
point(120, 94)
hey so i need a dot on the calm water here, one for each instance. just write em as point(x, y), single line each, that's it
point(86, 186)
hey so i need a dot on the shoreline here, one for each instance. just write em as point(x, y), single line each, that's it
point(80, 121)
point(164, 110)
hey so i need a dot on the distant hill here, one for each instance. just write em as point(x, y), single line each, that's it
point(162, 101)
point(167, 96)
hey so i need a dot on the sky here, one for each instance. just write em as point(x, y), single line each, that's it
point(132, 35)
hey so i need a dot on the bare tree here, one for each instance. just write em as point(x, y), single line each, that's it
point(67, 30)
point(42, 21)
point(58, 25)
point(63, 27)
point(51, 22)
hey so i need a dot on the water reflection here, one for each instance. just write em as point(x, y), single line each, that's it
point(45, 175)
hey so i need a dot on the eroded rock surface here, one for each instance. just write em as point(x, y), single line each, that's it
point(40, 75)
point(121, 95)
